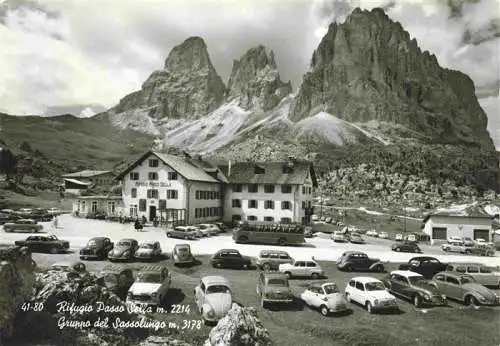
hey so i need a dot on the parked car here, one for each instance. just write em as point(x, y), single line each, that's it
point(213, 297)
point(96, 248)
point(457, 246)
point(198, 232)
point(425, 265)
point(23, 225)
point(148, 250)
point(325, 297)
point(273, 288)
point(181, 232)
point(483, 274)
point(150, 286)
point(208, 229)
point(464, 288)
point(73, 266)
point(314, 217)
point(483, 249)
point(323, 218)
point(182, 254)
point(468, 241)
point(117, 279)
point(370, 293)
point(414, 287)
point(221, 226)
point(340, 237)
point(4, 218)
point(230, 258)
point(44, 243)
point(453, 238)
point(383, 235)
point(372, 233)
point(41, 215)
point(54, 211)
point(406, 246)
point(356, 238)
point(356, 260)
point(398, 237)
point(302, 268)
point(308, 232)
point(271, 259)
point(328, 220)
point(411, 238)
point(124, 250)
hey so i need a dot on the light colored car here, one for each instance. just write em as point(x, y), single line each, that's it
point(198, 232)
point(372, 233)
point(356, 238)
point(328, 220)
point(340, 237)
point(150, 287)
point(457, 246)
point(24, 225)
point(483, 274)
point(325, 297)
point(181, 232)
point(371, 293)
point(452, 239)
point(302, 268)
point(314, 217)
point(273, 288)
point(54, 211)
point(383, 235)
point(399, 237)
point(148, 250)
point(207, 229)
point(74, 266)
point(271, 259)
point(181, 254)
point(213, 297)
point(464, 288)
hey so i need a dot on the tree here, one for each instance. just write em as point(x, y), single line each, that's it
point(8, 163)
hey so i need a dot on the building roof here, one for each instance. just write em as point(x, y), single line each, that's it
point(427, 217)
point(182, 165)
point(272, 172)
point(79, 182)
point(85, 174)
point(99, 197)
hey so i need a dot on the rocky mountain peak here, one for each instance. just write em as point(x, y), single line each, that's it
point(190, 55)
point(255, 80)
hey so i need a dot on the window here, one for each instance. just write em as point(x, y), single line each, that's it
point(142, 205)
point(196, 212)
point(310, 264)
point(253, 188)
point(268, 204)
point(236, 203)
point(484, 270)
point(172, 194)
point(300, 264)
point(93, 207)
point(259, 170)
point(360, 286)
point(152, 193)
point(237, 188)
point(251, 218)
point(286, 220)
point(153, 162)
point(439, 233)
point(111, 207)
point(440, 277)
point(352, 283)
point(452, 280)
point(252, 204)
point(134, 176)
point(172, 176)
point(460, 269)
point(268, 188)
point(303, 205)
point(162, 204)
point(236, 218)
point(286, 205)
point(303, 190)
point(152, 176)
point(268, 218)
point(198, 194)
point(472, 270)
point(133, 193)
point(286, 188)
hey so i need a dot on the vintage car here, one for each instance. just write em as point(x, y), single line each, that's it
point(356, 238)
point(44, 243)
point(54, 211)
point(383, 235)
point(230, 258)
point(464, 288)
point(150, 286)
point(398, 237)
point(273, 288)
point(425, 265)
point(213, 297)
point(96, 248)
point(406, 246)
point(483, 274)
point(208, 229)
point(198, 232)
point(414, 287)
point(370, 293)
point(308, 232)
point(340, 237)
point(23, 225)
point(372, 233)
point(183, 232)
point(181, 254)
point(116, 279)
point(356, 260)
point(74, 266)
point(328, 220)
point(221, 226)
point(483, 249)
point(325, 297)
point(305, 267)
point(453, 238)
point(148, 250)
point(124, 250)
point(457, 246)
point(271, 259)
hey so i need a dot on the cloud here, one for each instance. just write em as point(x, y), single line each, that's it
point(59, 53)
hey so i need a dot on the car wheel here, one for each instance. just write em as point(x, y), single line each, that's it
point(288, 274)
point(218, 265)
point(379, 268)
point(266, 267)
point(245, 266)
point(417, 301)
point(186, 237)
point(369, 307)
point(323, 310)
point(348, 297)
point(398, 249)
point(471, 301)
point(467, 252)
point(54, 250)
point(243, 240)
point(315, 276)
point(169, 235)
point(282, 241)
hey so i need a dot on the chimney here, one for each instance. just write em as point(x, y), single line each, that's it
point(229, 168)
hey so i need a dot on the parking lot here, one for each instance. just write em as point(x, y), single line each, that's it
point(297, 325)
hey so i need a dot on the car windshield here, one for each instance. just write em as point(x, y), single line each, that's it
point(149, 277)
point(277, 282)
point(374, 286)
point(146, 246)
point(330, 288)
point(217, 289)
point(92, 243)
point(182, 249)
point(466, 280)
point(417, 279)
point(124, 243)
point(434, 261)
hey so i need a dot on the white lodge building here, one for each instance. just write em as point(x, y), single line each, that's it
point(183, 190)
point(175, 189)
point(440, 227)
point(270, 191)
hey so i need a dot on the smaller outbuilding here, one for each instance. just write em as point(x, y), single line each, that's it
point(440, 227)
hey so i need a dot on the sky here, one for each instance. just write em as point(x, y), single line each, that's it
point(83, 56)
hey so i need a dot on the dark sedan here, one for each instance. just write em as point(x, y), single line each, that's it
point(230, 258)
point(427, 266)
point(44, 243)
point(407, 246)
point(124, 250)
point(96, 248)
